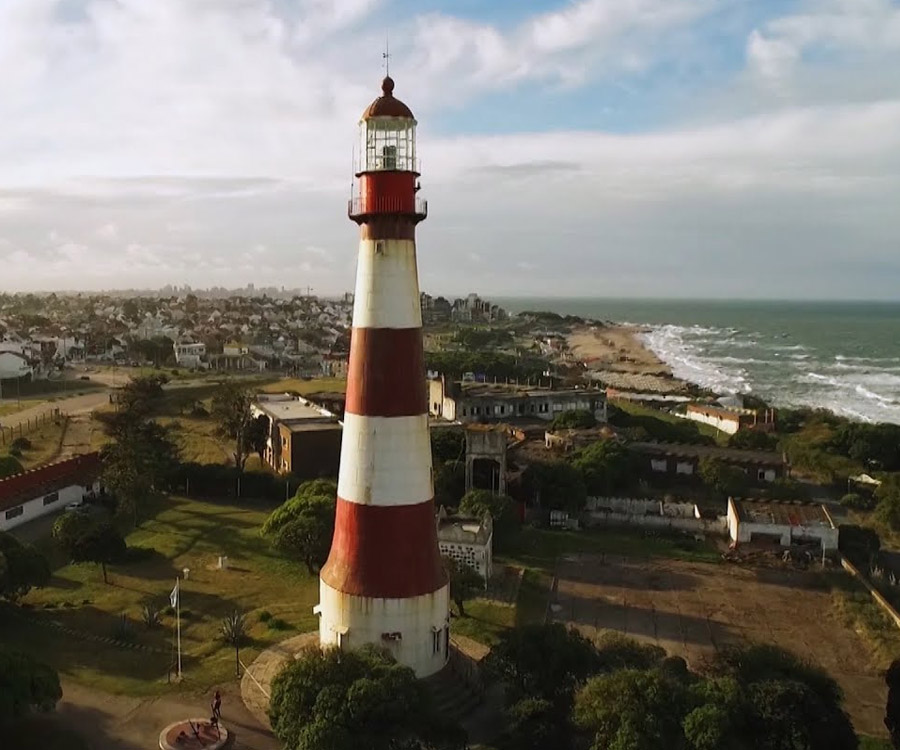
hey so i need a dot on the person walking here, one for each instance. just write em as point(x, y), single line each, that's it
point(217, 705)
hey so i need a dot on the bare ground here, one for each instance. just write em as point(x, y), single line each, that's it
point(692, 609)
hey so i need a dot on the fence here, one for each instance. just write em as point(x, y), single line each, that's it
point(29, 425)
point(624, 511)
point(876, 594)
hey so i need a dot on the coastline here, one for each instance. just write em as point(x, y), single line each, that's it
point(616, 356)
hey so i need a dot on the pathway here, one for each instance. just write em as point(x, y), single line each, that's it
point(117, 722)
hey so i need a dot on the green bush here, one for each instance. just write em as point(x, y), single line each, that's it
point(20, 444)
point(858, 502)
point(9, 465)
point(123, 630)
point(276, 623)
point(264, 616)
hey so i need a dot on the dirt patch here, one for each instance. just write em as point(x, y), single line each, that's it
point(692, 609)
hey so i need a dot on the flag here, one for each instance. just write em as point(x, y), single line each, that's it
point(173, 597)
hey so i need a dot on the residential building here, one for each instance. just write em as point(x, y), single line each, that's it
point(14, 365)
point(485, 402)
point(47, 489)
point(731, 419)
point(189, 354)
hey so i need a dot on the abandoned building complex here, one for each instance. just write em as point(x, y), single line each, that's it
point(784, 523)
point(683, 459)
point(484, 402)
point(731, 419)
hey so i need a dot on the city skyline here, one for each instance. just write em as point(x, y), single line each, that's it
point(593, 149)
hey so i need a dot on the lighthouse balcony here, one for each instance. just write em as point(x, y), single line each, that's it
point(361, 208)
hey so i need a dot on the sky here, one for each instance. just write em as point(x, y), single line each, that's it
point(646, 148)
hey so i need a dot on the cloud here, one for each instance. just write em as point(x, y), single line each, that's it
point(209, 143)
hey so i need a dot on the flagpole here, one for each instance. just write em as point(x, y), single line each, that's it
point(178, 619)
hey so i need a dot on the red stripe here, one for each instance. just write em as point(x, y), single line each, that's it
point(386, 375)
point(388, 552)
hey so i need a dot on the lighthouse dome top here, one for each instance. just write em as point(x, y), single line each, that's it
point(386, 105)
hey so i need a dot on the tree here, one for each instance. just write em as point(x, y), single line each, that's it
point(21, 568)
point(721, 476)
point(231, 409)
point(543, 661)
point(449, 482)
point(9, 465)
point(576, 419)
point(86, 541)
point(888, 497)
point(334, 700)
point(303, 526)
point(533, 724)
point(26, 685)
point(448, 445)
point(555, 485)
point(501, 508)
point(465, 583)
point(753, 440)
point(258, 436)
point(604, 466)
point(138, 463)
point(234, 633)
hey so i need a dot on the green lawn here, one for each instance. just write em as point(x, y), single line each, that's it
point(182, 534)
point(485, 621)
point(304, 387)
point(648, 412)
point(11, 407)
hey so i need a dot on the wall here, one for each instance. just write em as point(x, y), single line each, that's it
point(314, 453)
point(729, 425)
point(35, 508)
point(646, 513)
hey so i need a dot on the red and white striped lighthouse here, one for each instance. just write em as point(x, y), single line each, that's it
point(383, 582)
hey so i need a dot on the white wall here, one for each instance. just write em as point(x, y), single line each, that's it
point(422, 622)
point(729, 426)
point(35, 508)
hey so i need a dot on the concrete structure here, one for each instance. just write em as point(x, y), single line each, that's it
point(789, 522)
point(469, 541)
point(483, 402)
point(303, 439)
point(684, 459)
point(48, 489)
point(731, 419)
point(486, 443)
point(189, 354)
point(383, 582)
point(14, 365)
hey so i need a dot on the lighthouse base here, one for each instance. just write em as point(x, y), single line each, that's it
point(416, 630)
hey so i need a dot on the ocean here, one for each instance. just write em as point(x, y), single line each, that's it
point(842, 356)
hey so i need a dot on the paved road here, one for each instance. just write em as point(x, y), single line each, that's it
point(116, 722)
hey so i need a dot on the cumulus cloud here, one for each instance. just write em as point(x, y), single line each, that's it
point(209, 142)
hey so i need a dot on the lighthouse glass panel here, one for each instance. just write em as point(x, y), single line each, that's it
point(388, 143)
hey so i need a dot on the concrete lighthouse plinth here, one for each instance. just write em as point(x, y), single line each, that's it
point(384, 583)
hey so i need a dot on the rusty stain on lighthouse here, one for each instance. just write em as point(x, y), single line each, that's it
point(383, 582)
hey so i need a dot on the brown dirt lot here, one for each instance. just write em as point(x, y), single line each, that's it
point(691, 609)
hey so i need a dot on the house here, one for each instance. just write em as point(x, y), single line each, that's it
point(731, 419)
point(789, 522)
point(47, 489)
point(303, 439)
point(14, 365)
point(468, 541)
point(682, 459)
point(480, 402)
point(189, 354)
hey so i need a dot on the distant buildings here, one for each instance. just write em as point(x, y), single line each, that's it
point(684, 459)
point(732, 419)
point(485, 402)
point(471, 309)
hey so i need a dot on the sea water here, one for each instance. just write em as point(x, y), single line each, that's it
point(842, 356)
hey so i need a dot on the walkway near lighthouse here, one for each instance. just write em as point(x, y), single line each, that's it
point(256, 684)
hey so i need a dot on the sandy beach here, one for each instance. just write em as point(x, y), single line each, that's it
point(618, 358)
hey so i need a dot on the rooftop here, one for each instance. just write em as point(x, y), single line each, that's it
point(786, 513)
point(732, 455)
point(463, 529)
point(282, 411)
point(503, 390)
point(43, 480)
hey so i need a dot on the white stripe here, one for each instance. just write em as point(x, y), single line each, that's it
point(385, 460)
point(387, 285)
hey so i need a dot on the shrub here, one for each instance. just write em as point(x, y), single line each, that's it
point(123, 630)
point(276, 623)
point(151, 615)
point(15, 452)
point(264, 616)
point(20, 444)
point(858, 502)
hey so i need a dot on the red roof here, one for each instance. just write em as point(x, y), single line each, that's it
point(386, 105)
point(20, 488)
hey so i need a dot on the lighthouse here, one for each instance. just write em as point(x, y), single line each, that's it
point(383, 582)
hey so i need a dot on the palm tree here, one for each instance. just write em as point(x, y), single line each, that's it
point(234, 633)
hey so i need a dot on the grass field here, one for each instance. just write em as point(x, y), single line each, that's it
point(304, 387)
point(12, 406)
point(183, 534)
point(46, 442)
point(648, 412)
